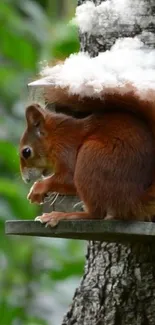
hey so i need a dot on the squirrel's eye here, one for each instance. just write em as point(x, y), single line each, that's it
point(26, 152)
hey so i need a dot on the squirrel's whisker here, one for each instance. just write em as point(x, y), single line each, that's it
point(54, 200)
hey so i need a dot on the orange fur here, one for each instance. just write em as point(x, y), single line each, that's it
point(107, 158)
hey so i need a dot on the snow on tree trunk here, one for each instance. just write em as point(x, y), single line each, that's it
point(118, 286)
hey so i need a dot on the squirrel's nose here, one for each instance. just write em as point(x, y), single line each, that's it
point(26, 152)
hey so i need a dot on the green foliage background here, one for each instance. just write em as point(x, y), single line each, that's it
point(37, 276)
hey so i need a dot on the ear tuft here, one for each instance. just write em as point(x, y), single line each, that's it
point(34, 114)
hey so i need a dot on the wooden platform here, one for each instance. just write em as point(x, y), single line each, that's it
point(113, 231)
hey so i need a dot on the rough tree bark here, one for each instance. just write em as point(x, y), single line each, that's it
point(118, 286)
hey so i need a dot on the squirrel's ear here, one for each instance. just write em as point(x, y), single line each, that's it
point(35, 114)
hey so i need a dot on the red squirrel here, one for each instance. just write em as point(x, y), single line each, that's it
point(106, 158)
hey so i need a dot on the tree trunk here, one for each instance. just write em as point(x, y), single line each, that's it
point(118, 286)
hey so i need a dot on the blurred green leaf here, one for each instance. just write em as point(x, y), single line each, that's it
point(31, 31)
point(9, 156)
point(26, 57)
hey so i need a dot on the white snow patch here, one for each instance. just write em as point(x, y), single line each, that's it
point(110, 14)
point(128, 61)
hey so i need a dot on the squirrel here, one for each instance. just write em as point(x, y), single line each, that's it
point(107, 157)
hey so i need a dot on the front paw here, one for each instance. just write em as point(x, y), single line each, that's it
point(51, 219)
point(38, 192)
